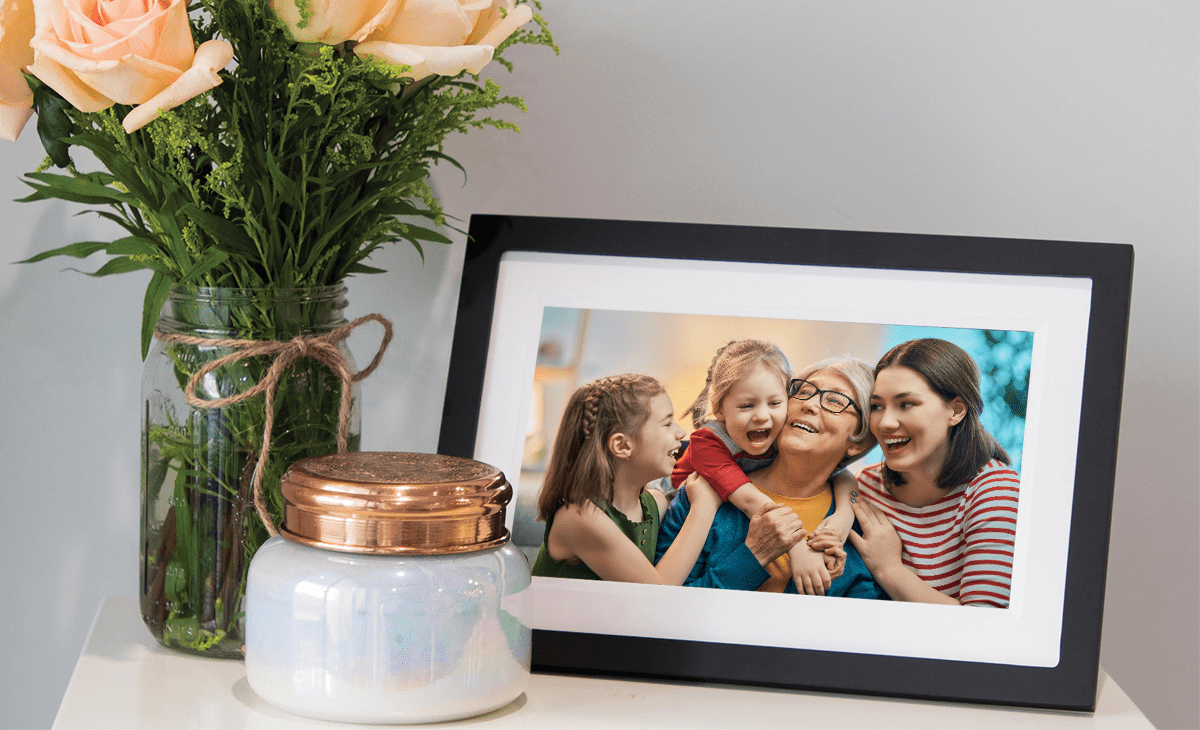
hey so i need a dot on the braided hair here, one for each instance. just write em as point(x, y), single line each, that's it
point(581, 466)
point(734, 361)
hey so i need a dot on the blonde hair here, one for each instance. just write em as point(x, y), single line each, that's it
point(581, 466)
point(734, 361)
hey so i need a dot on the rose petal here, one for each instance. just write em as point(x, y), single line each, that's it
point(211, 56)
point(66, 83)
point(16, 100)
point(426, 60)
point(16, 28)
point(129, 80)
point(12, 120)
point(427, 23)
point(162, 34)
point(497, 28)
point(476, 8)
point(13, 89)
point(335, 21)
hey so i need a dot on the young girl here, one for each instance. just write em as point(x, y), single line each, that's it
point(617, 434)
point(944, 484)
point(746, 394)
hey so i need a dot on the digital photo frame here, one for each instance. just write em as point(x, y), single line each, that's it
point(525, 277)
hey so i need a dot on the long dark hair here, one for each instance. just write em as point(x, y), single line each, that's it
point(951, 373)
point(581, 466)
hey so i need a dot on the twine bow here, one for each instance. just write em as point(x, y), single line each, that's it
point(322, 348)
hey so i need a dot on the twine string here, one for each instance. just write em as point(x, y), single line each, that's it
point(322, 348)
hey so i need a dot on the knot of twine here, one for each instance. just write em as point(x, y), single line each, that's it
point(322, 348)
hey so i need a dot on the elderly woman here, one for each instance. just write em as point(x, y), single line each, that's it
point(825, 430)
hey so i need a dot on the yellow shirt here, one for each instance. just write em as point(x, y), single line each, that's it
point(811, 511)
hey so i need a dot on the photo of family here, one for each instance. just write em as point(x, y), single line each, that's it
point(774, 455)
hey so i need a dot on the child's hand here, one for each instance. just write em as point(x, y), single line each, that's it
point(835, 525)
point(809, 571)
point(835, 561)
point(700, 493)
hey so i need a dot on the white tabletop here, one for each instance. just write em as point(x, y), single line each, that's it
point(124, 679)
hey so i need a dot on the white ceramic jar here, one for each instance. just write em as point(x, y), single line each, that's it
point(391, 594)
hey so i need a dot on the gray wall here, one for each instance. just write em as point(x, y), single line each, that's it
point(1051, 120)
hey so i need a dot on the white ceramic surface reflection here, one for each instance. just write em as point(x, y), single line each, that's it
point(386, 639)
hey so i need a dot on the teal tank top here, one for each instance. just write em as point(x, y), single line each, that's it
point(644, 534)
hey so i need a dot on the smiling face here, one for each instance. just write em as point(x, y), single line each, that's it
point(754, 409)
point(912, 422)
point(655, 446)
point(814, 431)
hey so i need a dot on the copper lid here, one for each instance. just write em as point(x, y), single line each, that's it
point(394, 503)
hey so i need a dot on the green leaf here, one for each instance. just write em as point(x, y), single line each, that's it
point(75, 189)
point(364, 269)
point(53, 125)
point(80, 250)
point(231, 235)
point(119, 265)
point(133, 246)
point(416, 233)
point(156, 294)
point(211, 259)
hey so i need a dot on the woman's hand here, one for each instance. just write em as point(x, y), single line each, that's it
point(879, 545)
point(774, 529)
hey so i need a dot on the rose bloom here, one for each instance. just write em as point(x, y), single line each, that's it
point(97, 53)
point(442, 37)
point(16, 100)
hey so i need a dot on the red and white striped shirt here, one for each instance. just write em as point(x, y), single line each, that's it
point(961, 544)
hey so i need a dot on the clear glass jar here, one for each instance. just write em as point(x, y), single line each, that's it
point(392, 593)
point(199, 528)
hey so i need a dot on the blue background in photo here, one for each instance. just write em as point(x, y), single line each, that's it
point(1003, 357)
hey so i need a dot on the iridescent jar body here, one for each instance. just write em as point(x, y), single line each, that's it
point(403, 603)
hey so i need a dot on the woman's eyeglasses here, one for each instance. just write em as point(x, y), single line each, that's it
point(831, 400)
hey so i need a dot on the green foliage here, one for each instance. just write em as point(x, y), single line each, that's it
point(291, 173)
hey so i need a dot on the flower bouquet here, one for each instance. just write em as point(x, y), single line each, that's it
point(254, 154)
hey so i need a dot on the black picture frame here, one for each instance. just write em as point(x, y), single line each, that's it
point(1069, 685)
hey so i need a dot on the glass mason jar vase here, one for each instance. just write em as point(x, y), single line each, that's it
point(199, 525)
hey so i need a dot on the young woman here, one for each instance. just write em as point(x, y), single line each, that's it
point(940, 512)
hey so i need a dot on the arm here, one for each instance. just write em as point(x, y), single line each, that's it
point(587, 533)
point(837, 525)
point(879, 545)
point(737, 548)
point(830, 536)
point(989, 528)
point(677, 561)
point(809, 570)
point(708, 456)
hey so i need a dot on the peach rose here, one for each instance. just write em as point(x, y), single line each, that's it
point(97, 53)
point(440, 37)
point(445, 37)
point(16, 100)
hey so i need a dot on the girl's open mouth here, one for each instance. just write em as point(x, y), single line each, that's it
point(758, 436)
point(893, 445)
